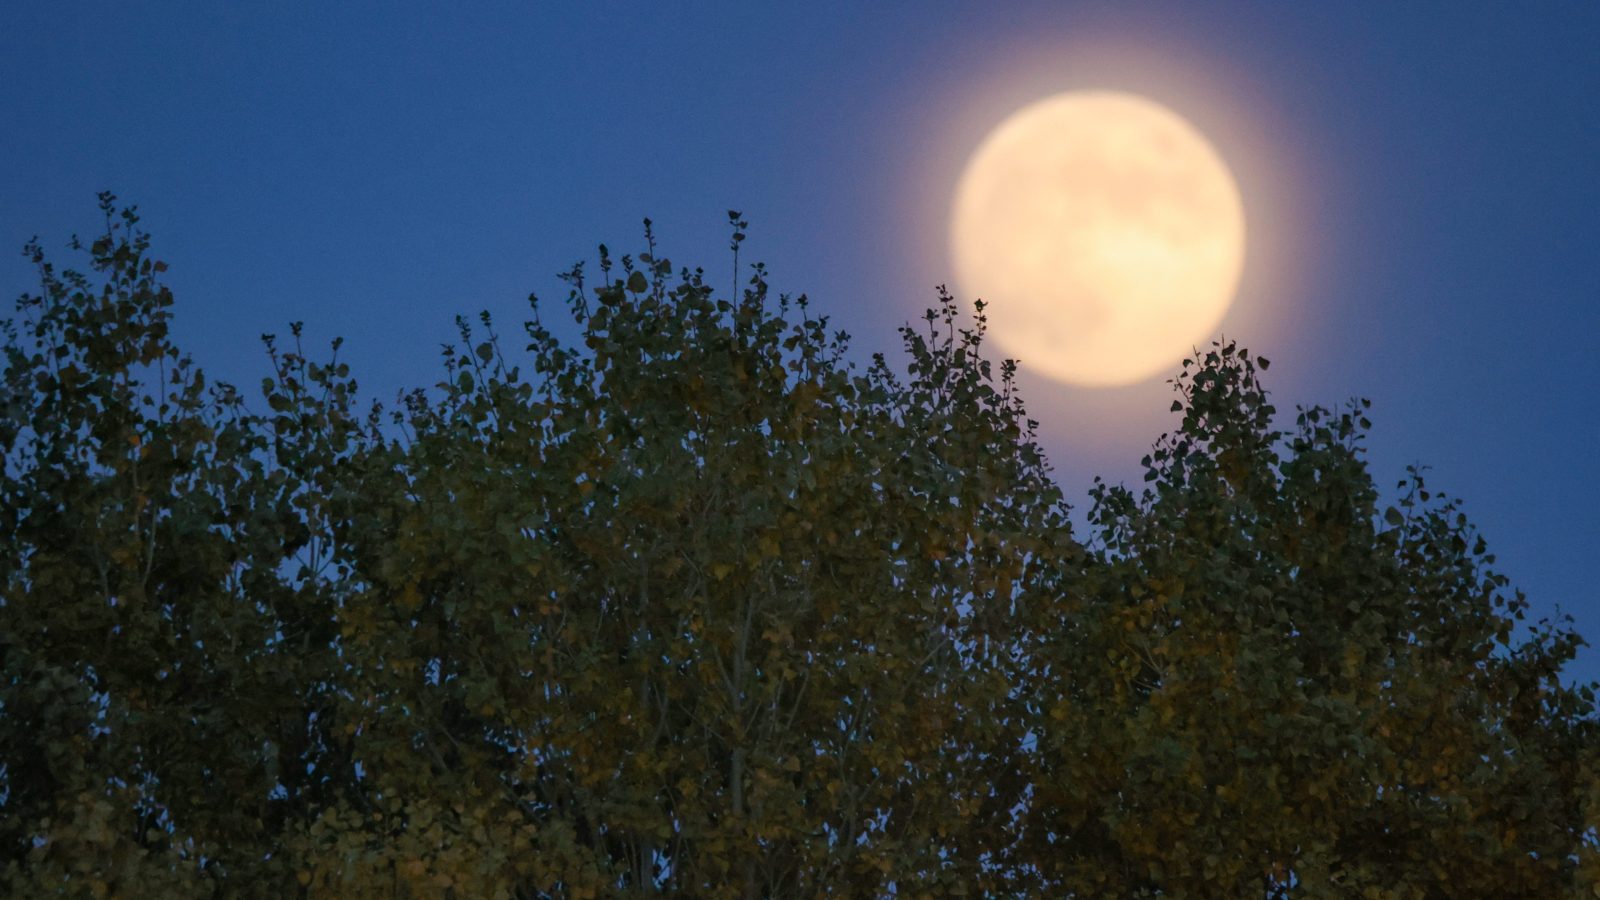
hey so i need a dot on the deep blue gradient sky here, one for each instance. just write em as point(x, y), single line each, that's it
point(1421, 181)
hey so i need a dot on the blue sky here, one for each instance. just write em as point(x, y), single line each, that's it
point(1420, 184)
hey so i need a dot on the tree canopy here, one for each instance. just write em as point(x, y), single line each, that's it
point(697, 606)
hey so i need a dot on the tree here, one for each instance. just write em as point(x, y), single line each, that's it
point(698, 607)
point(1273, 685)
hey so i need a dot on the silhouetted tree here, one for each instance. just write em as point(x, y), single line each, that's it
point(697, 607)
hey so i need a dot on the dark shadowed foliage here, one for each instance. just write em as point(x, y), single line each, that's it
point(698, 607)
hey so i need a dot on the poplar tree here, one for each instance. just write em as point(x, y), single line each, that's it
point(694, 605)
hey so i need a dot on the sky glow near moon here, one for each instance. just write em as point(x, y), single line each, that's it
point(1105, 234)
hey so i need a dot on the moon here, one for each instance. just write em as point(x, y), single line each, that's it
point(1104, 233)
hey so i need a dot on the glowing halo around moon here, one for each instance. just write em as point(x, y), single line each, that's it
point(1105, 234)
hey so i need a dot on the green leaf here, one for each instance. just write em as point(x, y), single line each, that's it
point(701, 609)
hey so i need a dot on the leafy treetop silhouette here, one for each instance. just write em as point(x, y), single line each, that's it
point(698, 607)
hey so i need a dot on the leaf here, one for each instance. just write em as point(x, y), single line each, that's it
point(826, 630)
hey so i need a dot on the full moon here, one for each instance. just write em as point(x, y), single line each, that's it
point(1105, 234)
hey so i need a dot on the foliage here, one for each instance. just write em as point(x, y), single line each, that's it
point(1272, 686)
point(699, 607)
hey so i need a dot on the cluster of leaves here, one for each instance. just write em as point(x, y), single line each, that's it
point(697, 607)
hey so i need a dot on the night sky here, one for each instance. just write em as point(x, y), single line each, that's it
point(1421, 184)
